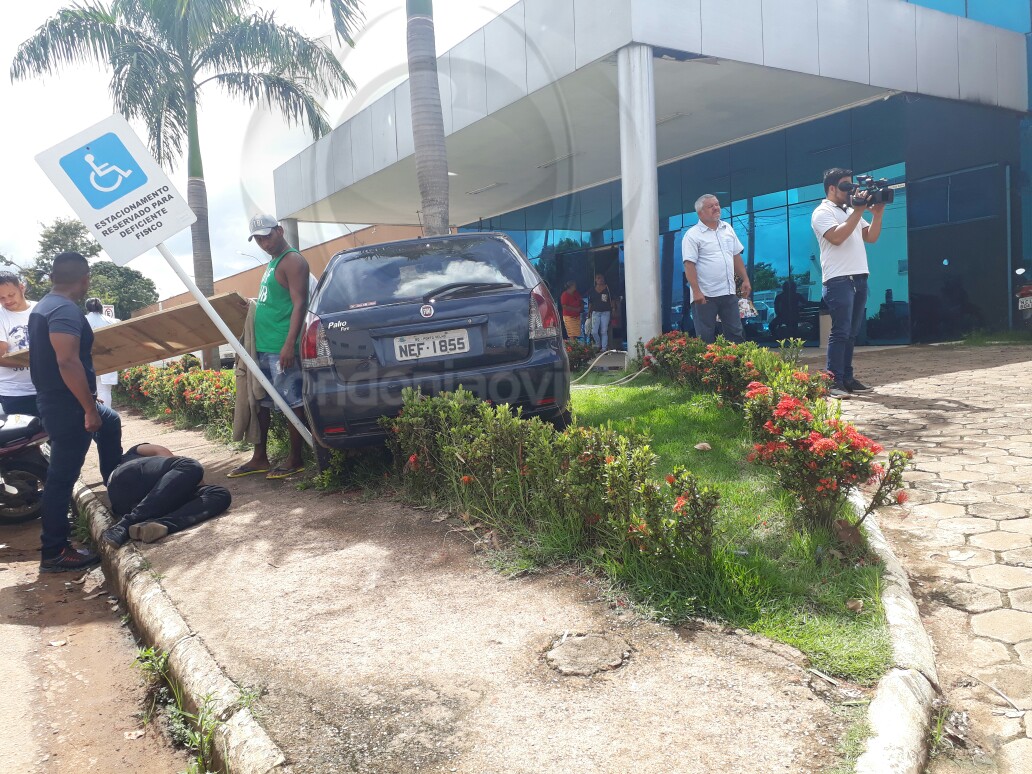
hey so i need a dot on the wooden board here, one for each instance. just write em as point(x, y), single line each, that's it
point(156, 336)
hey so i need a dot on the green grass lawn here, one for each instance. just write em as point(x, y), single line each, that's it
point(771, 578)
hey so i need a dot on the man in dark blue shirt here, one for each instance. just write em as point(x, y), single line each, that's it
point(61, 365)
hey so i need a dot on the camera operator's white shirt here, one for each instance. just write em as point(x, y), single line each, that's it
point(850, 257)
point(713, 252)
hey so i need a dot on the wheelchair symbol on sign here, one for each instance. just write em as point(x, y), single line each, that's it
point(103, 170)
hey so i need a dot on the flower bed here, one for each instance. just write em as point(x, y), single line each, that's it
point(580, 353)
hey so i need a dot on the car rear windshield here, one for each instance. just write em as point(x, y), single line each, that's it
point(386, 274)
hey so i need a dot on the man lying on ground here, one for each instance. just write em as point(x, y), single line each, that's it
point(155, 493)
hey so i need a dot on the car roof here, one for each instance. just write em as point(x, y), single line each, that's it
point(468, 236)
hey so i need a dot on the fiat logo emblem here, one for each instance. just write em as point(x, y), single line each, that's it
point(426, 310)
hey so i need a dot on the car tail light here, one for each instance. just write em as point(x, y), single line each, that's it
point(544, 320)
point(315, 349)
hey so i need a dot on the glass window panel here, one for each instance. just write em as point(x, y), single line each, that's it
point(758, 176)
point(975, 194)
point(804, 252)
point(597, 212)
point(879, 132)
point(1010, 14)
point(670, 206)
point(888, 300)
point(814, 147)
point(929, 202)
point(956, 7)
point(706, 173)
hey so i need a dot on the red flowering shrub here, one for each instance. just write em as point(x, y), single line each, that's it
point(581, 487)
point(819, 458)
point(182, 391)
point(580, 354)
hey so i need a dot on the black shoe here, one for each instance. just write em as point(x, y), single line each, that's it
point(116, 535)
point(838, 390)
point(855, 385)
point(69, 559)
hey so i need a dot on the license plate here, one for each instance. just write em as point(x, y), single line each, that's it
point(437, 344)
point(1025, 303)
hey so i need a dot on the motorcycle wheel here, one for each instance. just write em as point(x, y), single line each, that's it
point(28, 478)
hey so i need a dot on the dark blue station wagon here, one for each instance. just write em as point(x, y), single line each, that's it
point(432, 313)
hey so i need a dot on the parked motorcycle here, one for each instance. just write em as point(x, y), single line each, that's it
point(23, 467)
point(1024, 295)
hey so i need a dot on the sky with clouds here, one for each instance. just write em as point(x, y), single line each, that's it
point(240, 146)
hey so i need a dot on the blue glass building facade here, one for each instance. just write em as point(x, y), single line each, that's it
point(944, 265)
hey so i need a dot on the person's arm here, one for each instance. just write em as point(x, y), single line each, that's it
point(691, 273)
point(873, 231)
point(841, 232)
point(295, 280)
point(743, 275)
point(66, 348)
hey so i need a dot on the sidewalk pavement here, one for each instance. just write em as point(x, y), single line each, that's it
point(385, 644)
point(966, 537)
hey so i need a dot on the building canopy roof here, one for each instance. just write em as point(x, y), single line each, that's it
point(531, 100)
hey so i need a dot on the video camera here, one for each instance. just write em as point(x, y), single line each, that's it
point(867, 191)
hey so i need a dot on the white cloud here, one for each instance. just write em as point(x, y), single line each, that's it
point(240, 146)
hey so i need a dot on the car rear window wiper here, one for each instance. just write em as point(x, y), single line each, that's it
point(455, 287)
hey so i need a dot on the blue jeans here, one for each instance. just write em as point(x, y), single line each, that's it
point(600, 329)
point(64, 420)
point(705, 316)
point(19, 404)
point(846, 299)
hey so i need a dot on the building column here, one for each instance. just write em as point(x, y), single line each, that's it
point(640, 187)
point(290, 232)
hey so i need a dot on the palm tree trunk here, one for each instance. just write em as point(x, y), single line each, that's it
point(427, 120)
point(197, 199)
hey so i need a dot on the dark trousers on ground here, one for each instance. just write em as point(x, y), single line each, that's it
point(177, 500)
point(846, 299)
point(705, 317)
point(19, 404)
point(64, 420)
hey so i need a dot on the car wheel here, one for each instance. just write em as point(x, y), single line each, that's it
point(562, 420)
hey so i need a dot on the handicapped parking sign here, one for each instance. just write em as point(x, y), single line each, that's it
point(115, 185)
point(103, 171)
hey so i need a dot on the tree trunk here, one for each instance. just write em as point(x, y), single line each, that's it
point(427, 119)
point(197, 199)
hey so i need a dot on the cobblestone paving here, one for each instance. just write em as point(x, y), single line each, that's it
point(966, 535)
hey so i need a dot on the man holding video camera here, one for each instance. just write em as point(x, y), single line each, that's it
point(842, 233)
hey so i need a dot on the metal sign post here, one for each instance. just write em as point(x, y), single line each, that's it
point(127, 201)
point(239, 348)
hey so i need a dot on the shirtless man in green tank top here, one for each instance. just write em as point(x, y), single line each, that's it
point(278, 318)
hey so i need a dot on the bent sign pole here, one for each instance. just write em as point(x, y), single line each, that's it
point(128, 203)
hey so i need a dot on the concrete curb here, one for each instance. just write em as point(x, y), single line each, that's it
point(241, 744)
point(901, 711)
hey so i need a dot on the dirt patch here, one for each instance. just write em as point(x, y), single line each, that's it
point(384, 644)
point(70, 692)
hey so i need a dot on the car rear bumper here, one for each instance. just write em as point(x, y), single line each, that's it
point(346, 416)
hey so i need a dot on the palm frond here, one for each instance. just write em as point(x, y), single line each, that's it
point(259, 43)
point(149, 84)
point(347, 17)
point(87, 33)
point(291, 98)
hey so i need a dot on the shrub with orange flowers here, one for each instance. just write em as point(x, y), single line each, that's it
point(819, 458)
point(584, 486)
point(580, 353)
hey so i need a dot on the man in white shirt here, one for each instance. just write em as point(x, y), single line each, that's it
point(17, 395)
point(843, 233)
point(712, 255)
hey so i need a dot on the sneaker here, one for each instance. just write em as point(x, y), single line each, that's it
point(69, 559)
point(855, 385)
point(117, 535)
point(148, 531)
point(838, 390)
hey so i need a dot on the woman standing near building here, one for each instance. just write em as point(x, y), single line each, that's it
point(96, 318)
point(572, 303)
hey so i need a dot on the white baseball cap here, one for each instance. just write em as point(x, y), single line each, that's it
point(262, 225)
